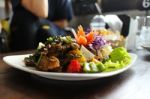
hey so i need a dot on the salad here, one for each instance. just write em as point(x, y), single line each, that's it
point(114, 38)
point(86, 53)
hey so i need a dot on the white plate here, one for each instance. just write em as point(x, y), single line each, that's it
point(146, 46)
point(16, 61)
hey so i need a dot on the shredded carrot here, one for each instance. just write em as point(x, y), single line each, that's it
point(80, 31)
point(82, 40)
point(90, 37)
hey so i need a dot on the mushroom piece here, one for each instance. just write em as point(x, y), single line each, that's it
point(48, 63)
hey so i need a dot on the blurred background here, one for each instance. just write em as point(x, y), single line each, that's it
point(134, 19)
point(131, 8)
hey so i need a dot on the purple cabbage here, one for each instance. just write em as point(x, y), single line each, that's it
point(98, 43)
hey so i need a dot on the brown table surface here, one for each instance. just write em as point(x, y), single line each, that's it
point(131, 84)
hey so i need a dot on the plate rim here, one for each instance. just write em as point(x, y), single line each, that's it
point(146, 45)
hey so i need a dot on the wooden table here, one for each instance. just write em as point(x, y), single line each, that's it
point(131, 84)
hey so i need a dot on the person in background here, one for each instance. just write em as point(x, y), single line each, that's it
point(0, 27)
point(0, 37)
point(30, 15)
